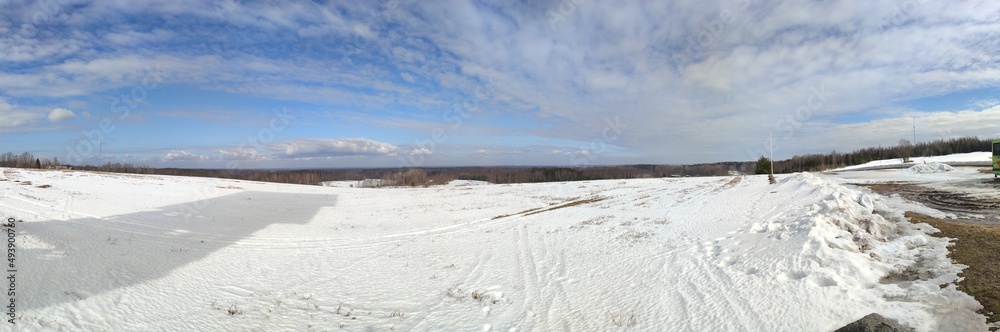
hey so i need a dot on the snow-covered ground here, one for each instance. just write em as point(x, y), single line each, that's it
point(340, 184)
point(975, 183)
point(968, 159)
point(357, 184)
point(905, 175)
point(930, 168)
point(147, 253)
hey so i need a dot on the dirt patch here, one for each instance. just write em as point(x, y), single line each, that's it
point(514, 214)
point(978, 247)
point(573, 203)
point(538, 210)
point(633, 236)
point(597, 221)
point(44, 186)
point(939, 199)
point(11, 174)
point(732, 183)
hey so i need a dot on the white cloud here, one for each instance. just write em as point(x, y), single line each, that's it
point(317, 147)
point(984, 103)
point(60, 114)
point(709, 79)
point(242, 153)
point(129, 38)
point(184, 156)
point(888, 131)
point(11, 116)
point(421, 151)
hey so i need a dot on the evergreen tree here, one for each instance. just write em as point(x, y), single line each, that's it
point(763, 166)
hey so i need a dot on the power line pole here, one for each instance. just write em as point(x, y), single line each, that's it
point(770, 148)
point(100, 142)
point(914, 148)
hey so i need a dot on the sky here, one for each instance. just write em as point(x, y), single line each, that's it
point(406, 83)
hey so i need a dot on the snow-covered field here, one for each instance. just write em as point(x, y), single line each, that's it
point(149, 253)
point(966, 159)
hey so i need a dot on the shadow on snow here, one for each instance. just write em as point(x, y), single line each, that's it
point(80, 258)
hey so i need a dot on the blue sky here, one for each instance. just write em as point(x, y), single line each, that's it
point(403, 83)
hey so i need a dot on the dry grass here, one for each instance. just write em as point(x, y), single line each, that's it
point(484, 298)
point(234, 310)
point(519, 213)
point(573, 203)
point(397, 313)
point(633, 236)
point(978, 247)
point(623, 318)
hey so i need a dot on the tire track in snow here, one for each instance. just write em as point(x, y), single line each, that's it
point(543, 273)
point(528, 270)
point(560, 308)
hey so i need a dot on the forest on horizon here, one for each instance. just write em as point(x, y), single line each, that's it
point(511, 174)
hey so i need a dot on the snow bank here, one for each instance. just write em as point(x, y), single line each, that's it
point(855, 241)
point(929, 168)
point(465, 183)
point(968, 159)
point(339, 184)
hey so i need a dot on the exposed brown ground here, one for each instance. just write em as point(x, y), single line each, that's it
point(978, 247)
point(939, 199)
point(572, 202)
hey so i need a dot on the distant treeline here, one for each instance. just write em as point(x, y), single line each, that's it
point(820, 162)
point(436, 175)
point(424, 176)
point(26, 160)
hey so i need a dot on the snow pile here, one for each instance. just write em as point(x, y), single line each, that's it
point(339, 184)
point(965, 159)
point(465, 183)
point(930, 168)
point(857, 242)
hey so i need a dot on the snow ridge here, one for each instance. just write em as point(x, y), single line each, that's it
point(856, 240)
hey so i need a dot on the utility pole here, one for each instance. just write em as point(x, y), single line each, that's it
point(100, 142)
point(914, 148)
point(770, 148)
